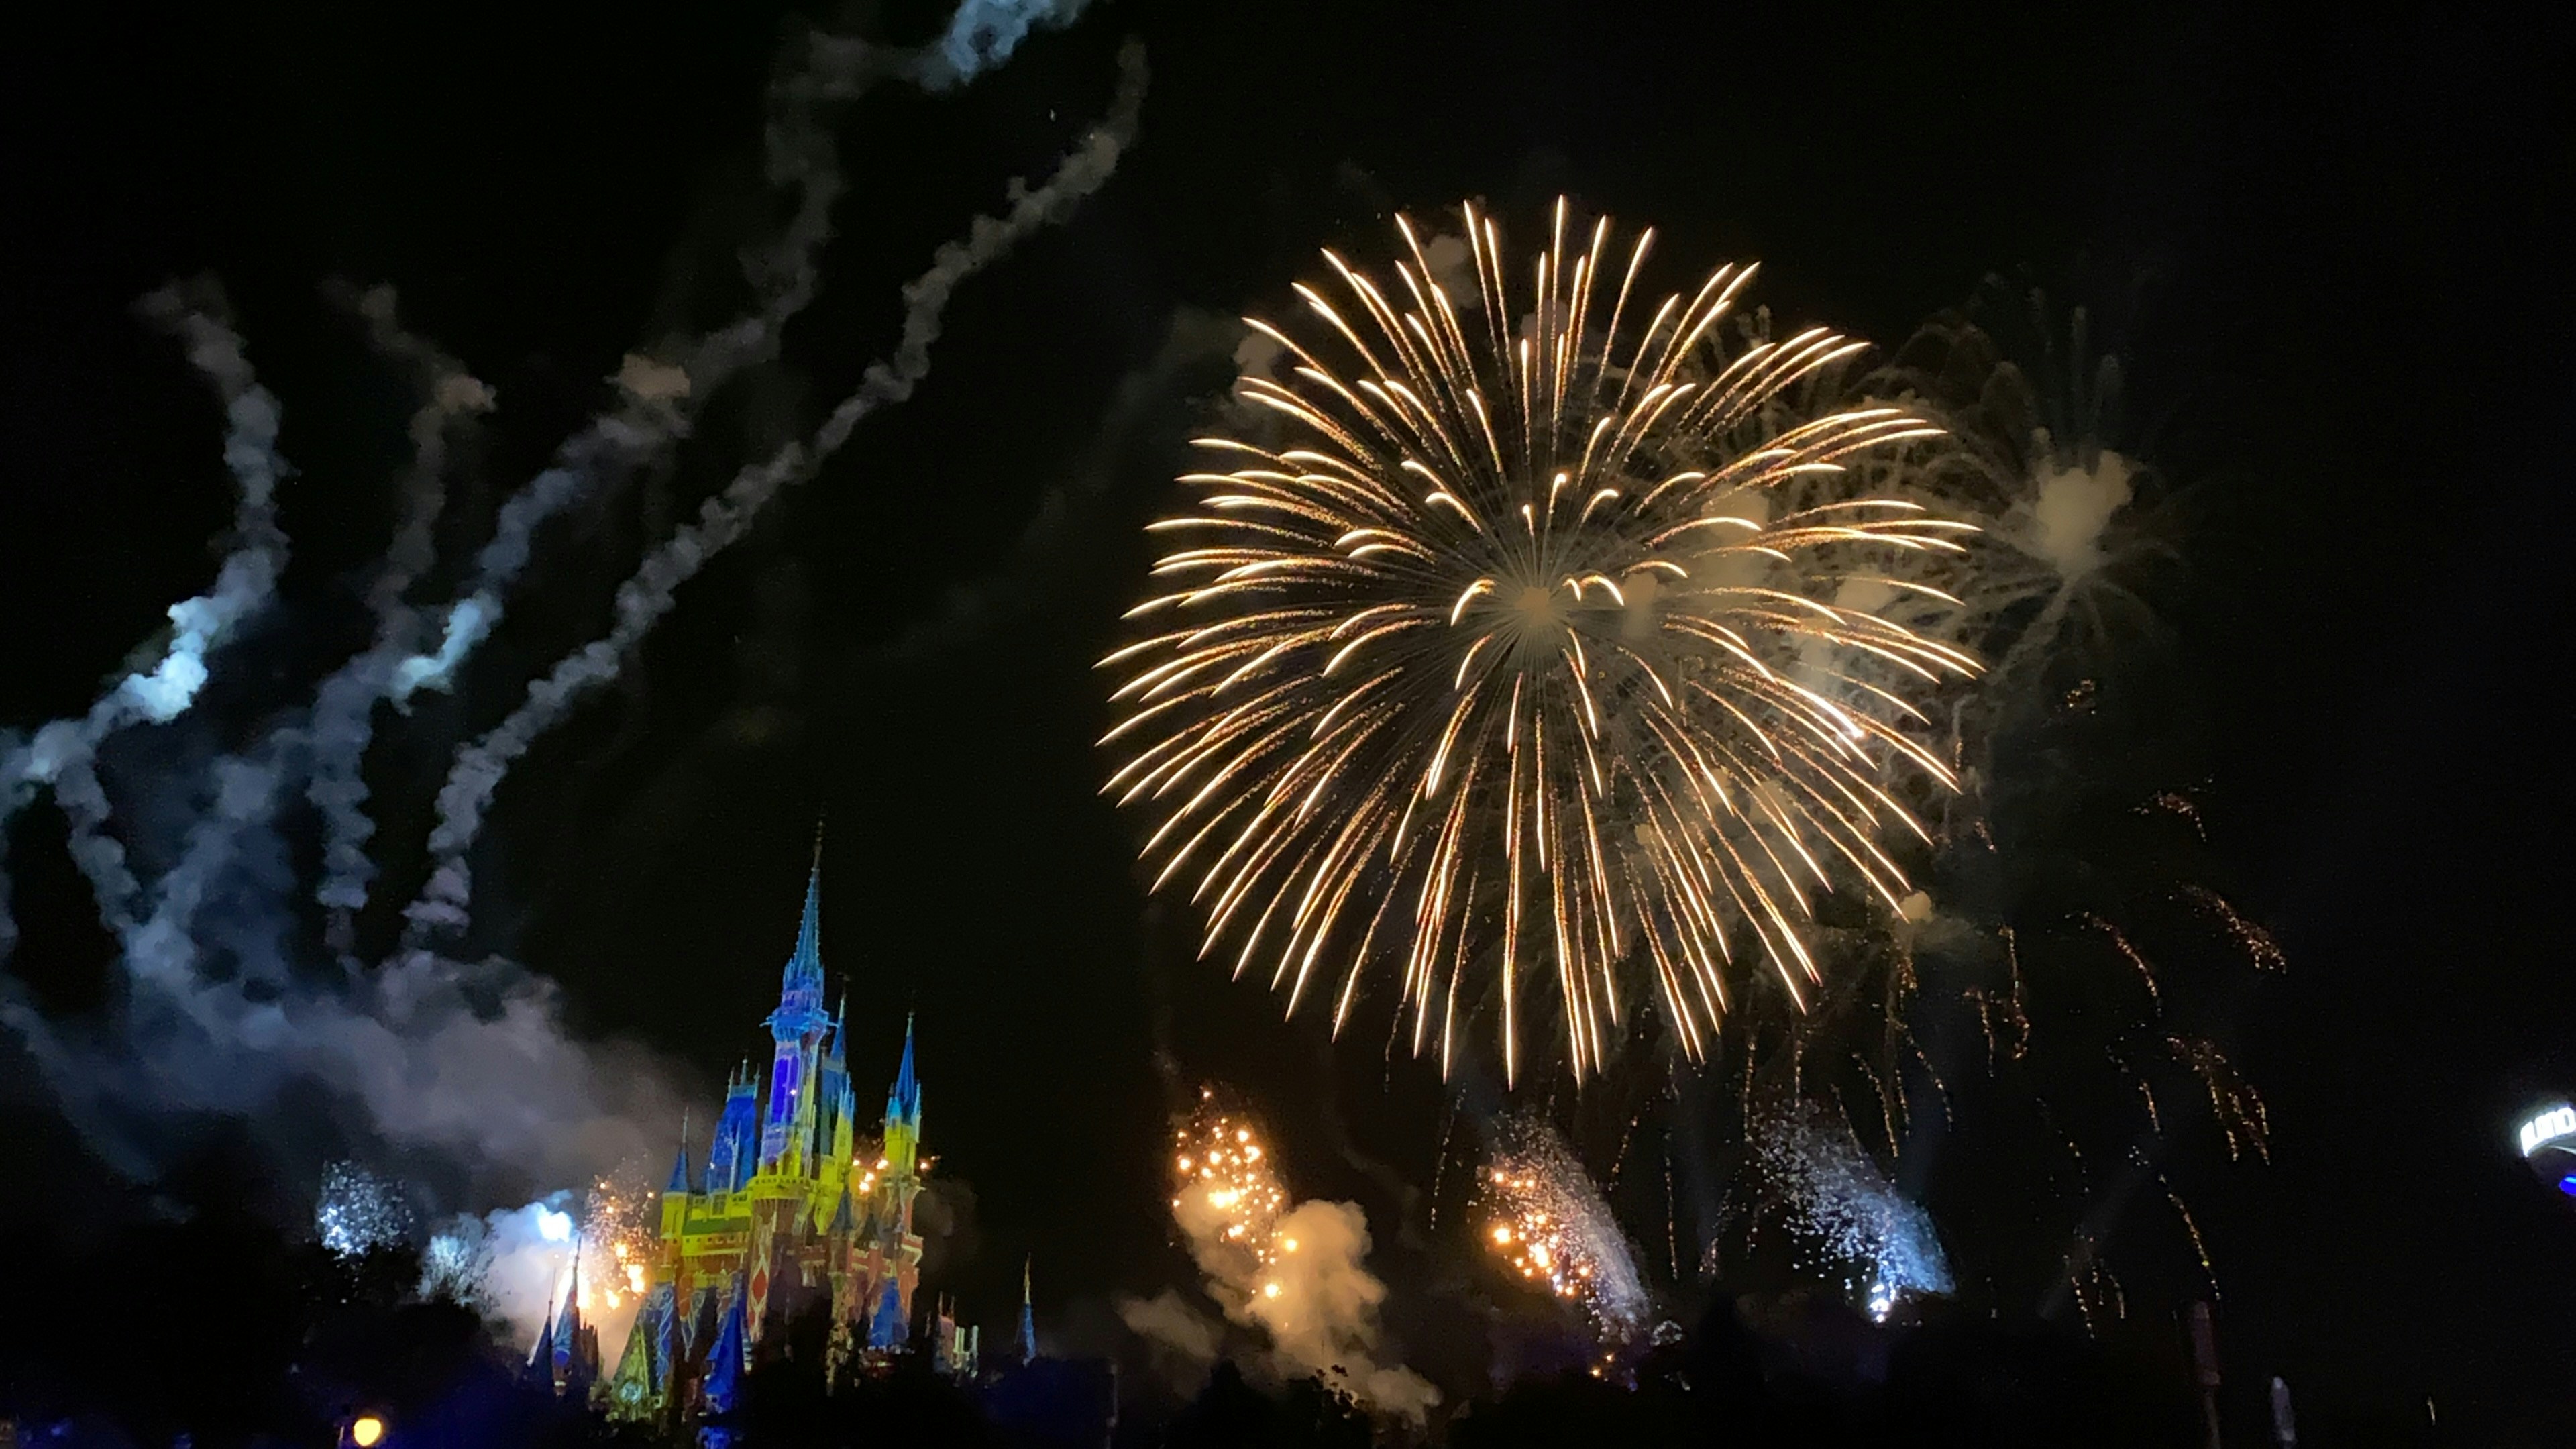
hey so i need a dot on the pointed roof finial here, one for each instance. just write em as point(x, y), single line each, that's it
point(680, 1164)
point(805, 964)
point(907, 1087)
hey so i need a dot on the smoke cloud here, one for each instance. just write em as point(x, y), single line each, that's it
point(1294, 1273)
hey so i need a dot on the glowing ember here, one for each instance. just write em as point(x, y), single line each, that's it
point(1224, 1185)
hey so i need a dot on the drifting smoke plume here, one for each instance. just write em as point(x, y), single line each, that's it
point(468, 1070)
point(1294, 1272)
point(63, 755)
point(645, 598)
point(511, 1266)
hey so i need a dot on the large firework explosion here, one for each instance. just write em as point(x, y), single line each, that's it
point(1538, 649)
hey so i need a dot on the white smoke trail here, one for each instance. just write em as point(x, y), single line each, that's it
point(343, 715)
point(64, 753)
point(660, 398)
point(645, 598)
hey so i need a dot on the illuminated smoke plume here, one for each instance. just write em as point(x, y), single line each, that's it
point(1545, 1219)
point(509, 1265)
point(983, 34)
point(1844, 1210)
point(645, 598)
point(1294, 1272)
point(225, 1007)
point(63, 755)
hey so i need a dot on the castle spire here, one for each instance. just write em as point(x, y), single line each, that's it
point(805, 963)
point(904, 1103)
point(568, 1322)
point(1026, 1346)
point(680, 1164)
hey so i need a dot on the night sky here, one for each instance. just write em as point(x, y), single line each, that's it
point(2324, 252)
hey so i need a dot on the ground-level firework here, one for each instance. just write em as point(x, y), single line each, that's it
point(1543, 1217)
point(1292, 1273)
point(1540, 652)
point(1851, 1222)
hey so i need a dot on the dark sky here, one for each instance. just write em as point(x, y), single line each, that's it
point(2355, 318)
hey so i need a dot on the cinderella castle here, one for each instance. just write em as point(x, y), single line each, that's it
point(797, 1204)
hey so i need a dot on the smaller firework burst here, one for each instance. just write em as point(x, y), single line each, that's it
point(1547, 1222)
point(619, 1224)
point(1843, 1207)
point(1226, 1190)
point(358, 1211)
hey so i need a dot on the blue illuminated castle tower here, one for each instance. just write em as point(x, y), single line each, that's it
point(796, 1204)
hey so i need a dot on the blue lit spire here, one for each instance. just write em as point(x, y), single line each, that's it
point(725, 1360)
point(887, 1330)
point(680, 1163)
point(800, 983)
point(1027, 1345)
point(903, 1104)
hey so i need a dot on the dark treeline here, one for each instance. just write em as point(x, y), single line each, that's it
point(193, 1321)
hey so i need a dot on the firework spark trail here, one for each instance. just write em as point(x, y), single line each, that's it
point(645, 598)
point(1548, 629)
point(2256, 942)
point(1550, 1225)
point(1843, 1206)
point(63, 754)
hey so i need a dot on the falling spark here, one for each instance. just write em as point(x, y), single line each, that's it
point(2256, 942)
point(1531, 660)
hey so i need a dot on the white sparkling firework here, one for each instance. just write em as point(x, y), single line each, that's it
point(358, 1212)
point(1536, 656)
point(1843, 1208)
